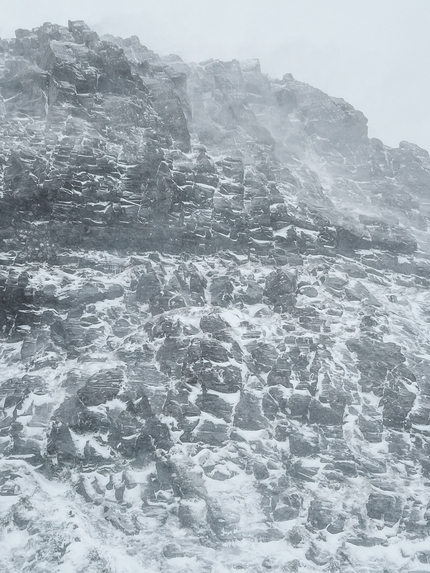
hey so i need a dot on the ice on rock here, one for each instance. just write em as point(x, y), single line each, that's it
point(214, 333)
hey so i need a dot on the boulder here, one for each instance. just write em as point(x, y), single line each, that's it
point(101, 387)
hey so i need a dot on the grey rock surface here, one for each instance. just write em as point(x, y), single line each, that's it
point(214, 319)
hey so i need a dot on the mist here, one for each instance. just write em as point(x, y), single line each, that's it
point(372, 54)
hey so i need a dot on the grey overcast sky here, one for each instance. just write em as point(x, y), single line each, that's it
point(373, 53)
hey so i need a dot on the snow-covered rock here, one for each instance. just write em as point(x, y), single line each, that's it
point(214, 317)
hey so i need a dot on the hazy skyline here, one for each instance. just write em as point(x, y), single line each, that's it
point(373, 53)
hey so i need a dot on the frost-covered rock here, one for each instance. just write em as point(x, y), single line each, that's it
point(214, 310)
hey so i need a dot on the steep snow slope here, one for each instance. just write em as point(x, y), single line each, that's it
point(214, 310)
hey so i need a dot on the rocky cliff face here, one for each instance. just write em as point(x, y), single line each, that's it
point(214, 317)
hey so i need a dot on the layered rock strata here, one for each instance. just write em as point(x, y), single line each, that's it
point(214, 319)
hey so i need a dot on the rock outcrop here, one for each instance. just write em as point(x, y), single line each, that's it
point(214, 302)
